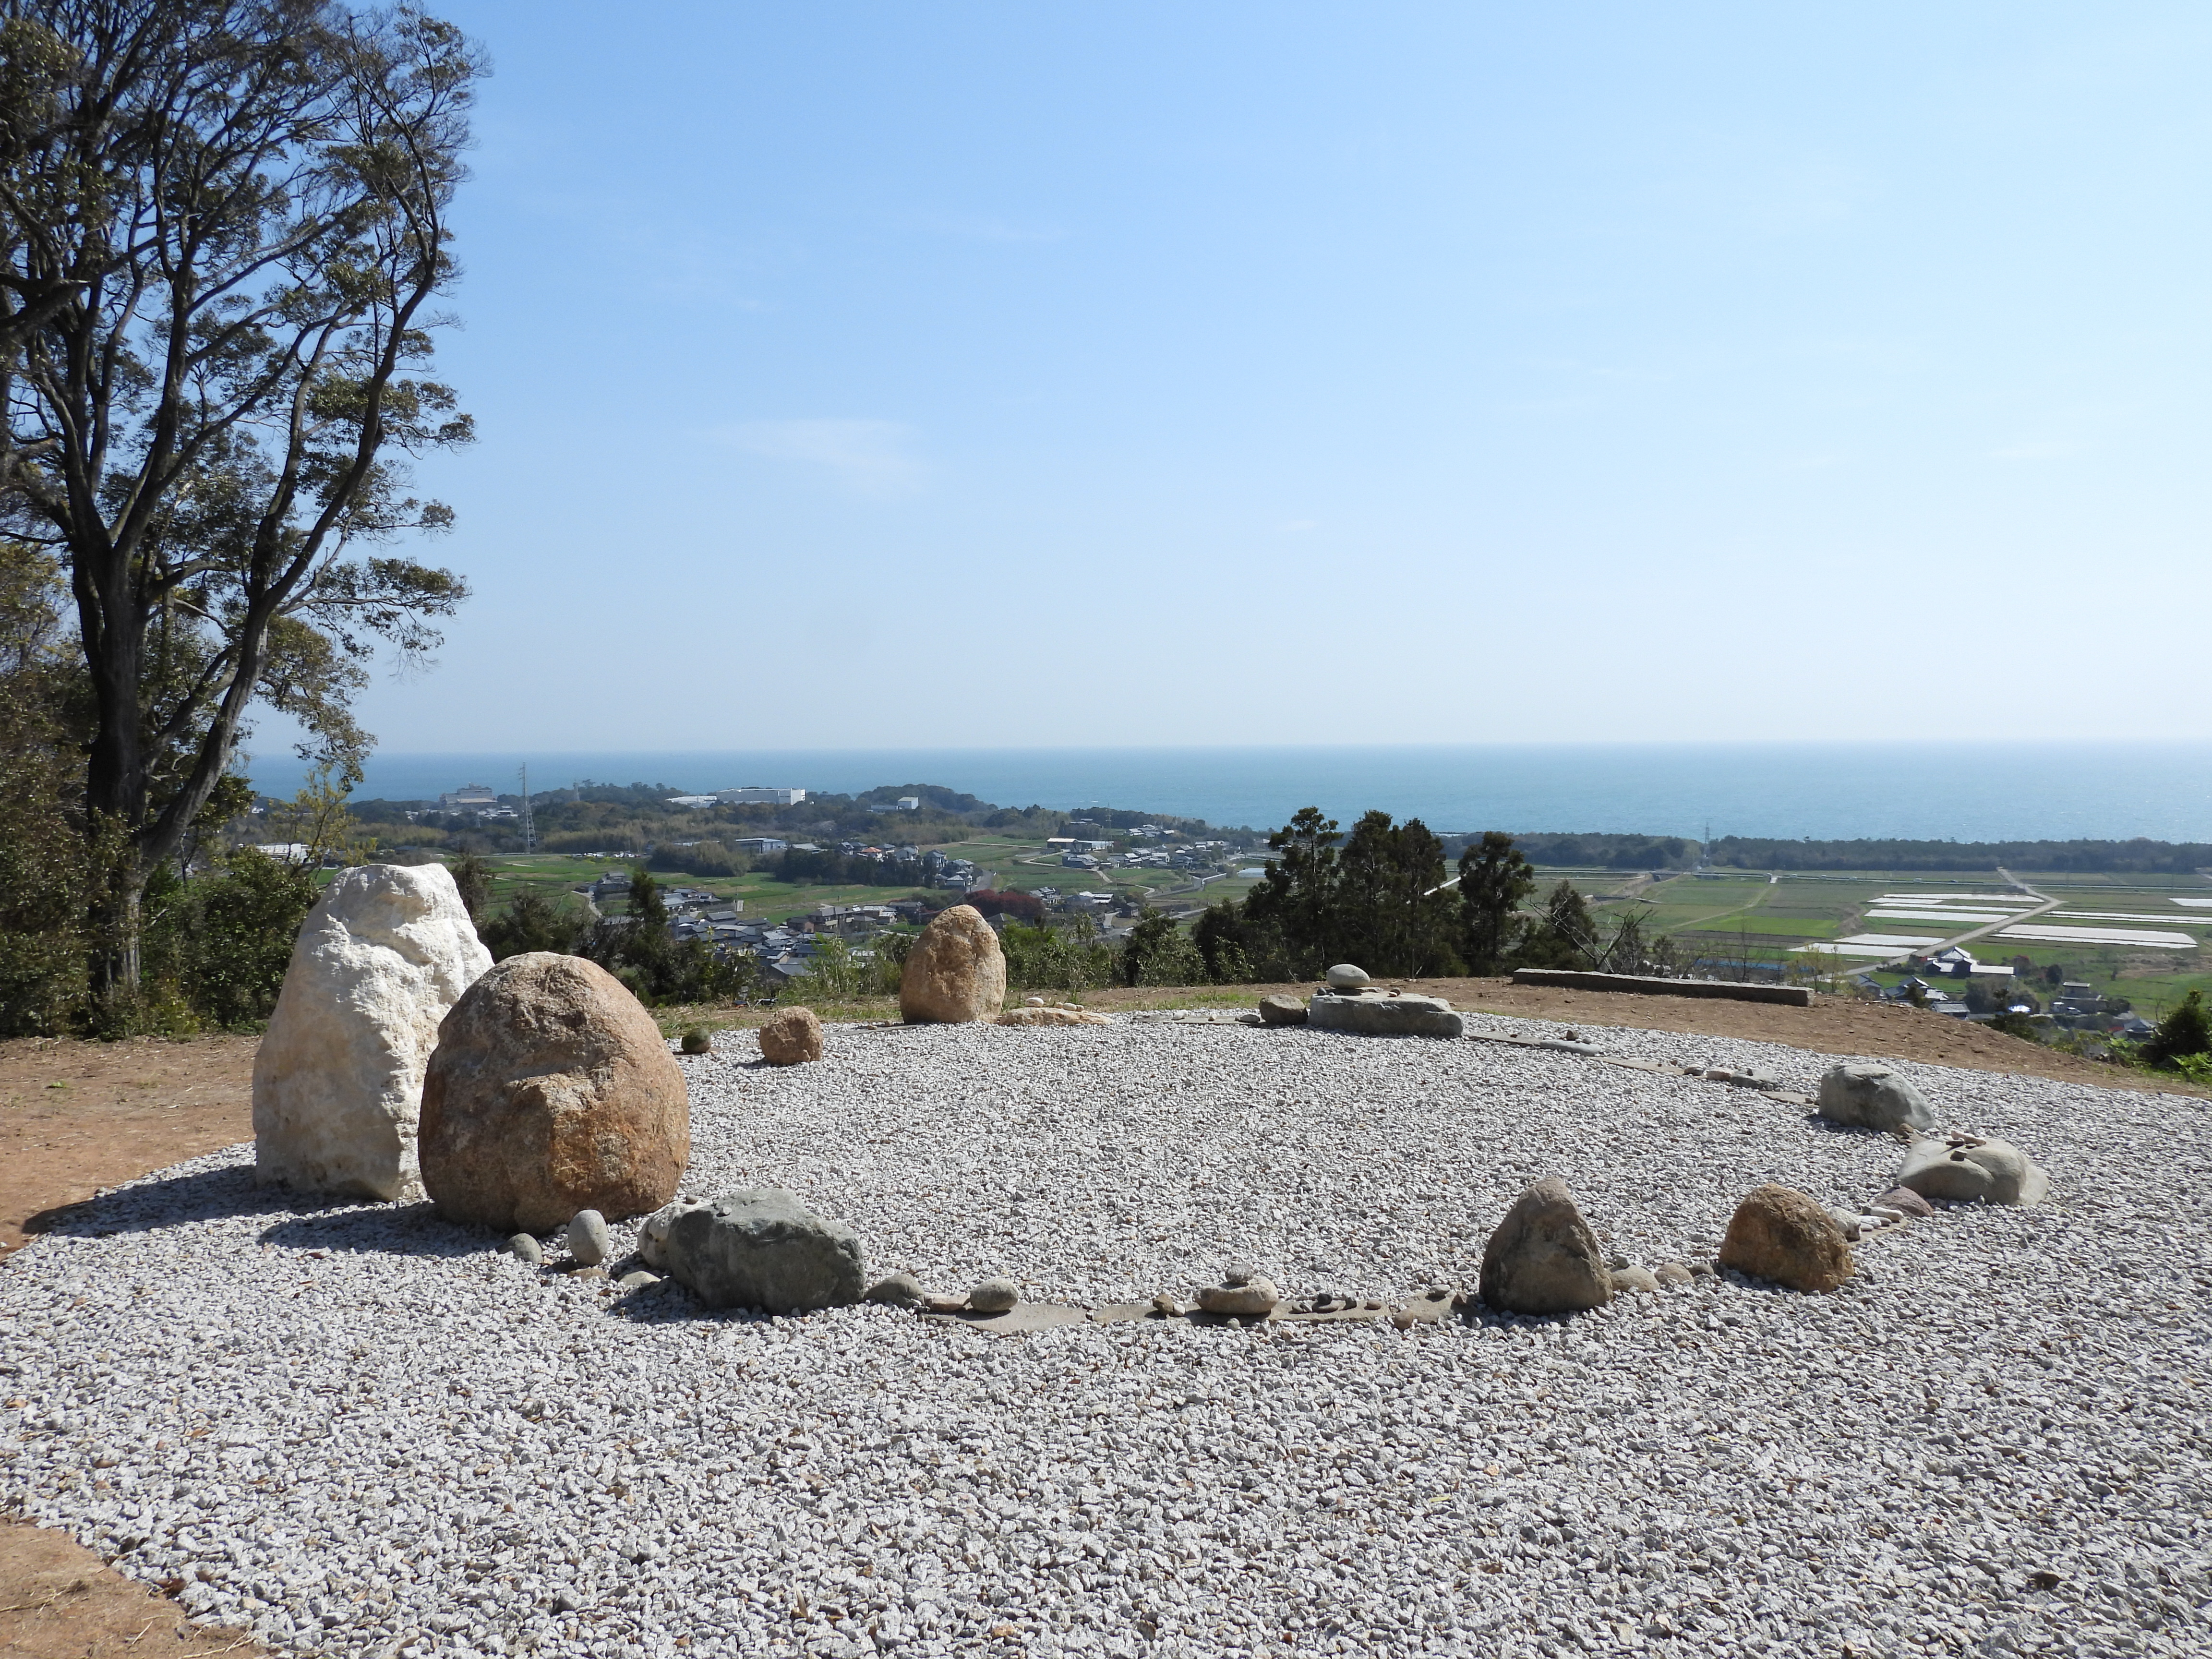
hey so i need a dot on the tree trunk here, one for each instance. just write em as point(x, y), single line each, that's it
point(115, 782)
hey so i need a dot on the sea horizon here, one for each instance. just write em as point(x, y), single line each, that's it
point(1933, 790)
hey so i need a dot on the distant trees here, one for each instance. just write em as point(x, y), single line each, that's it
point(1159, 952)
point(532, 920)
point(638, 950)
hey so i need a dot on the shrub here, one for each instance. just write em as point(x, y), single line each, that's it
point(2182, 1033)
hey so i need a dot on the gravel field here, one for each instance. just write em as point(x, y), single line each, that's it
point(360, 1431)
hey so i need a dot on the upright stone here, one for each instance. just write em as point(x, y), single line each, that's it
point(1543, 1259)
point(791, 1037)
point(956, 972)
point(551, 1091)
point(337, 1080)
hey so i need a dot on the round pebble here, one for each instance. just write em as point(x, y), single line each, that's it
point(589, 1242)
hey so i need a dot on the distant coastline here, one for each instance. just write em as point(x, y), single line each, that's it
point(1934, 791)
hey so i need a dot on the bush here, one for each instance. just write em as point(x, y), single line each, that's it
point(221, 943)
point(532, 922)
point(1157, 952)
point(1067, 959)
point(2182, 1033)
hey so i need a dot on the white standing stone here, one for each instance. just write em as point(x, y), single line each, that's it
point(337, 1081)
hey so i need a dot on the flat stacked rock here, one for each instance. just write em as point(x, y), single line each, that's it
point(1349, 1002)
point(1965, 1168)
point(1061, 1014)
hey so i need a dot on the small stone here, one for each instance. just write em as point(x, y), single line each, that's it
point(638, 1279)
point(1780, 1234)
point(939, 1303)
point(698, 1040)
point(896, 1291)
point(1641, 1279)
point(1849, 1221)
point(791, 1037)
point(1872, 1097)
point(1673, 1275)
point(994, 1295)
point(1543, 1258)
point(1905, 1202)
point(1281, 1008)
point(1254, 1298)
point(1345, 977)
point(1615, 1263)
point(1701, 1268)
point(590, 1273)
point(1240, 1276)
point(1032, 1002)
point(1166, 1306)
point(524, 1247)
point(587, 1237)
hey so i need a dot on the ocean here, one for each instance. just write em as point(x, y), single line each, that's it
point(1923, 790)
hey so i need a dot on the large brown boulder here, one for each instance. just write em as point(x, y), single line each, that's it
point(1543, 1259)
point(956, 972)
point(1780, 1234)
point(791, 1037)
point(551, 1091)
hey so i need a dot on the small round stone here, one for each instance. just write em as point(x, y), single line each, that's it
point(1345, 977)
point(524, 1247)
point(587, 1237)
point(994, 1295)
point(896, 1291)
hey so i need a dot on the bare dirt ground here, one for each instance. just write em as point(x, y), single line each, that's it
point(76, 1117)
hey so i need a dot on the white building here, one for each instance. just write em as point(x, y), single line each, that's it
point(753, 795)
point(469, 797)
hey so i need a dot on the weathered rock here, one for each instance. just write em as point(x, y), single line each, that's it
point(1166, 1306)
point(652, 1232)
point(1993, 1171)
point(551, 1091)
point(1642, 1279)
point(523, 1247)
point(938, 1303)
point(1255, 1299)
point(1281, 1008)
point(337, 1080)
point(637, 1279)
point(994, 1295)
point(956, 972)
point(791, 1037)
point(1872, 1097)
point(587, 1237)
point(1543, 1258)
point(764, 1248)
point(1673, 1275)
point(1383, 1013)
point(698, 1040)
point(1345, 977)
point(1905, 1202)
point(896, 1291)
point(1062, 1015)
point(1780, 1234)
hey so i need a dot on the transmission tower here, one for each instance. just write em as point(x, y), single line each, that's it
point(529, 829)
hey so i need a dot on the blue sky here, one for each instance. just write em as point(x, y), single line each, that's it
point(864, 374)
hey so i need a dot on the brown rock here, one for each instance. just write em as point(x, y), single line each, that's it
point(790, 1037)
point(1673, 1275)
point(551, 1091)
point(1543, 1259)
point(1779, 1234)
point(956, 972)
point(1905, 1202)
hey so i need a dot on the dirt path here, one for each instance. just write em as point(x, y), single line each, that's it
point(75, 1117)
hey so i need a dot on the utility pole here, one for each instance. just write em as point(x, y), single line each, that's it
point(529, 829)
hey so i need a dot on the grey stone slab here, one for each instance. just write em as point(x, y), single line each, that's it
point(1030, 1316)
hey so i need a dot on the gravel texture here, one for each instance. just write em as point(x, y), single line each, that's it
point(361, 1430)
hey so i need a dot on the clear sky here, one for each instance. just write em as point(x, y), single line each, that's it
point(876, 374)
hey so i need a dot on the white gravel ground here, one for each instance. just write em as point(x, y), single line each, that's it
point(360, 1431)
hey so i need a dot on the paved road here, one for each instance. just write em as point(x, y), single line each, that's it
point(1965, 937)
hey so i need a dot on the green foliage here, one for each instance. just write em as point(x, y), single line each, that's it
point(472, 876)
point(2197, 1068)
point(703, 858)
point(1044, 958)
point(1157, 952)
point(218, 945)
point(2185, 1032)
point(533, 920)
point(638, 950)
point(1495, 880)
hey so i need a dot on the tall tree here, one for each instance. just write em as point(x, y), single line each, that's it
point(1392, 913)
point(223, 230)
point(1495, 881)
point(1296, 903)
